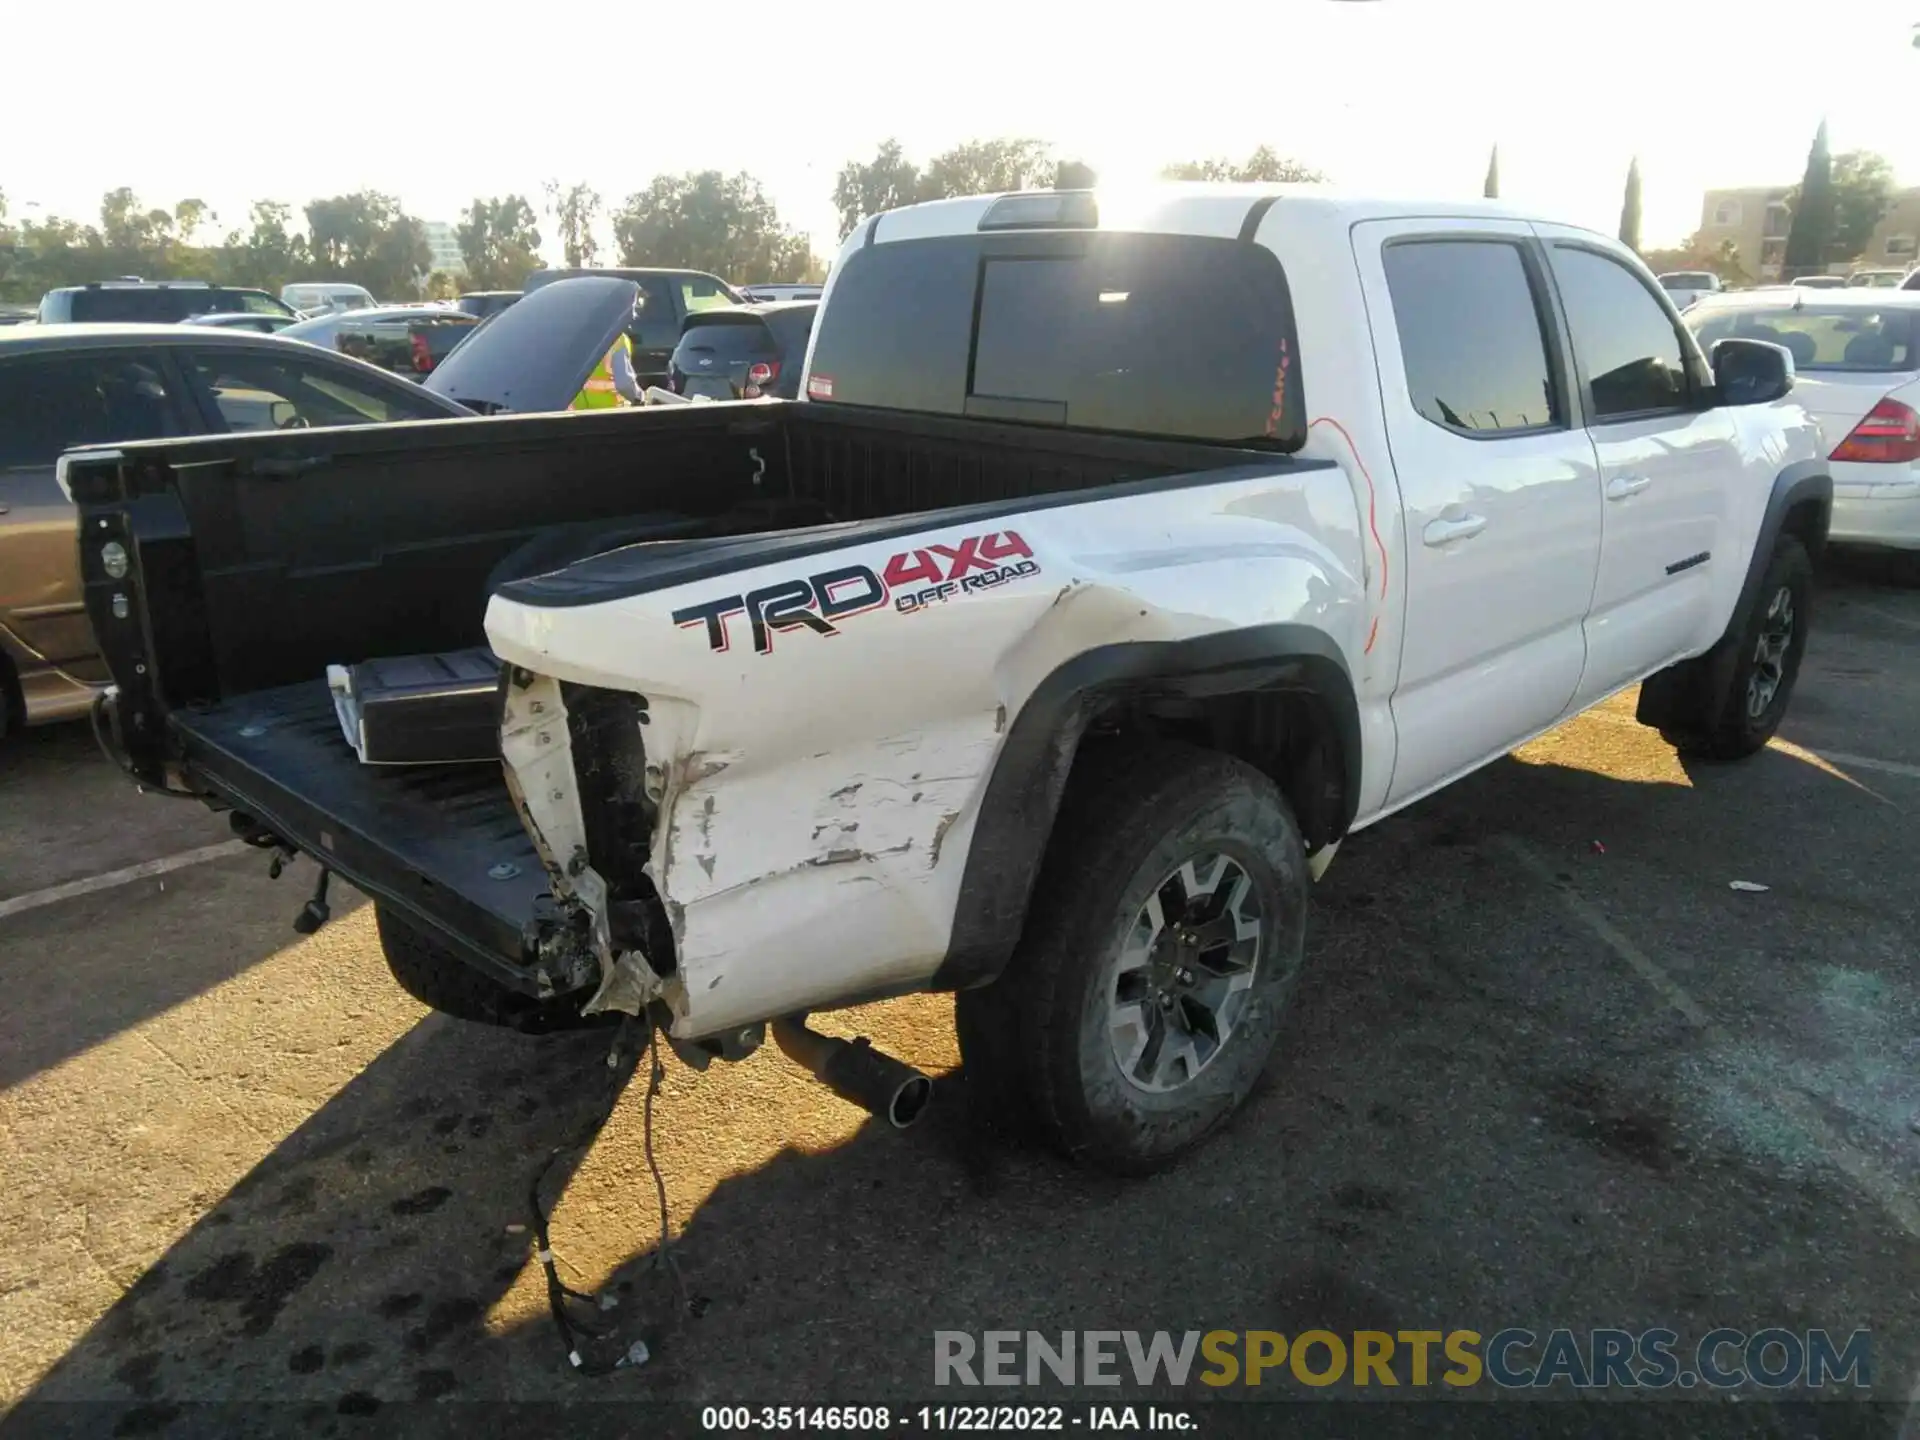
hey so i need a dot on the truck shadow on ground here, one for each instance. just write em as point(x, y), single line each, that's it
point(71, 816)
point(1473, 1120)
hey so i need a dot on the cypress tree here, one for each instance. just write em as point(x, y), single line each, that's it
point(1630, 208)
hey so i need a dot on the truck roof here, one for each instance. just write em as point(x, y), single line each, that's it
point(1190, 208)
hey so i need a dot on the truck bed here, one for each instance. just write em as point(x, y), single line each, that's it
point(265, 559)
point(278, 755)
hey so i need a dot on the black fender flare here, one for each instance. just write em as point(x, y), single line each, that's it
point(1693, 686)
point(1022, 795)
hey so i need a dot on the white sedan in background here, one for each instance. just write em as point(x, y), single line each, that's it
point(1856, 354)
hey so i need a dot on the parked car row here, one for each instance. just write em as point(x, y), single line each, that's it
point(1688, 286)
point(131, 360)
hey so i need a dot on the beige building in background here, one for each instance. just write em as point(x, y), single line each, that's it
point(1896, 240)
point(1756, 220)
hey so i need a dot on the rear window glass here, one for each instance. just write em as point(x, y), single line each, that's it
point(1692, 280)
point(157, 307)
point(1824, 337)
point(732, 341)
point(1183, 336)
point(168, 306)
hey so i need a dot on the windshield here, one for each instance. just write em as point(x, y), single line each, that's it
point(1832, 338)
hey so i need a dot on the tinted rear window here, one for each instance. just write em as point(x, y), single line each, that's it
point(735, 340)
point(1832, 337)
point(167, 307)
point(1175, 335)
point(1691, 281)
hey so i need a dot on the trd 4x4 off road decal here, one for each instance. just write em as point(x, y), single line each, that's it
point(911, 580)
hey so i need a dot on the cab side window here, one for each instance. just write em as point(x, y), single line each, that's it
point(1470, 336)
point(1622, 337)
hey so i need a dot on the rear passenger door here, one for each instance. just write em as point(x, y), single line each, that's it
point(1667, 464)
point(1497, 480)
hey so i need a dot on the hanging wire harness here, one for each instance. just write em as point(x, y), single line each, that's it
point(582, 1336)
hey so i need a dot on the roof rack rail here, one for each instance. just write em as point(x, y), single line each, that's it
point(156, 284)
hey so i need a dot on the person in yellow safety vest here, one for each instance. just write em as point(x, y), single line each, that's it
point(612, 383)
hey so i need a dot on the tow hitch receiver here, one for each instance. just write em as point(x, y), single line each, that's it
point(855, 1071)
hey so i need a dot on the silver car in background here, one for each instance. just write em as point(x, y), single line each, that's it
point(1687, 286)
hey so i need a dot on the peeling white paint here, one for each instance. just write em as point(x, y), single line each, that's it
point(819, 802)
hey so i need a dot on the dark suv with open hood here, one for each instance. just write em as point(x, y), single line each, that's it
point(667, 298)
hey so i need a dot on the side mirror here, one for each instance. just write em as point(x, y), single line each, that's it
point(1751, 372)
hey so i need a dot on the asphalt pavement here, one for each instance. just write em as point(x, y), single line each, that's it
point(1547, 1067)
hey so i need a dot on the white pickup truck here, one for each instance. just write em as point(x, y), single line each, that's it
point(1121, 559)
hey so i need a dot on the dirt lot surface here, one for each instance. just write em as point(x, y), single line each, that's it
point(1546, 1068)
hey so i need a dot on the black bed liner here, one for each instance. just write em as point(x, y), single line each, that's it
point(429, 840)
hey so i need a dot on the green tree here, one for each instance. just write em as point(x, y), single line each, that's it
point(886, 182)
point(1630, 208)
point(188, 217)
point(1862, 187)
point(368, 239)
point(54, 251)
point(267, 254)
point(576, 210)
point(499, 242)
point(704, 220)
point(1811, 233)
point(1264, 166)
point(136, 239)
point(400, 259)
point(1491, 190)
point(442, 286)
point(987, 167)
point(1074, 175)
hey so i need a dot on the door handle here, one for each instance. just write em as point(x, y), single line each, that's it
point(1621, 486)
point(1464, 527)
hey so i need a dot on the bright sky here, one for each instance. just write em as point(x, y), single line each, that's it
point(1400, 96)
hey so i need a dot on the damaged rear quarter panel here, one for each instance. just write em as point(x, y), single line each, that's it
point(820, 798)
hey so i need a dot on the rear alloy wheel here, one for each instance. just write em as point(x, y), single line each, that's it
point(1182, 981)
point(1162, 941)
point(1767, 658)
point(1767, 672)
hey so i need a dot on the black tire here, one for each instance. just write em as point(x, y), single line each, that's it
point(1039, 1042)
point(436, 976)
point(1756, 701)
